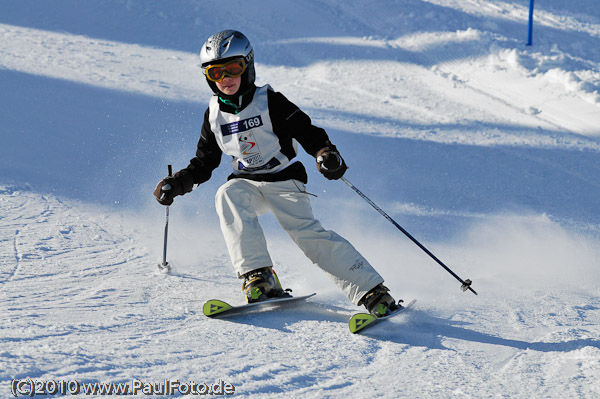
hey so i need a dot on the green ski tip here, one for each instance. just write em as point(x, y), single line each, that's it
point(214, 307)
point(360, 321)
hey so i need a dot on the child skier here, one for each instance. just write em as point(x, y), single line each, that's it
point(261, 129)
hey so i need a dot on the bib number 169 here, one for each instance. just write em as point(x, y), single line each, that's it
point(251, 123)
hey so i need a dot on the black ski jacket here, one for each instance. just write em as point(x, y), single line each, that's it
point(288, 121)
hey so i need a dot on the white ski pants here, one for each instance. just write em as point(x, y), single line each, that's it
point(239, 202)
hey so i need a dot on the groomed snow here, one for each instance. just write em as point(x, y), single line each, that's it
point(485, 149)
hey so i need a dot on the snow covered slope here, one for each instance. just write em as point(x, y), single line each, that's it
point(486, 149)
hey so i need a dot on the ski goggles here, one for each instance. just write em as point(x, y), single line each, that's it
point(232, 69)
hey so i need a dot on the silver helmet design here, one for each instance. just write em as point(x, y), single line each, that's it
point(226, 45)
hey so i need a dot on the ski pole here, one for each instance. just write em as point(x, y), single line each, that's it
point(466, 284)
point(164, 266)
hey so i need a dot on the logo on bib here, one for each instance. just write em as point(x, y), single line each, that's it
point(249, 149)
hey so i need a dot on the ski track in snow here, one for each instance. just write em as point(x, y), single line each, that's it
point(80, 294)
point(86, 303)
point(476, 64)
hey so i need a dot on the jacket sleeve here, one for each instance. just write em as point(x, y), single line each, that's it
point(291, 121)
point(207, 159)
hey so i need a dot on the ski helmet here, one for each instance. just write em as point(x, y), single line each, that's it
point(224, 46)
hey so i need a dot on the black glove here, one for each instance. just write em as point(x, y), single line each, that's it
point(167, 189)
point(330, 163)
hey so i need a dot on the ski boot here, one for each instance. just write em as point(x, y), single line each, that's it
point(261, 284)
point(379, 302)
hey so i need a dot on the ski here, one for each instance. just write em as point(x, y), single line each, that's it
point(218, 308)
point(361, 321)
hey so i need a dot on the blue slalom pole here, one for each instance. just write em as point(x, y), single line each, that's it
point(530, 30)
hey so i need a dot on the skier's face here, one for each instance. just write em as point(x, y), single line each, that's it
point(229, 86)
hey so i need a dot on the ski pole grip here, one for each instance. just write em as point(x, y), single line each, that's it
point(321, 161)
point(167, 187)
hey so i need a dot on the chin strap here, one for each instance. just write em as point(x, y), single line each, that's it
point(229, 100)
